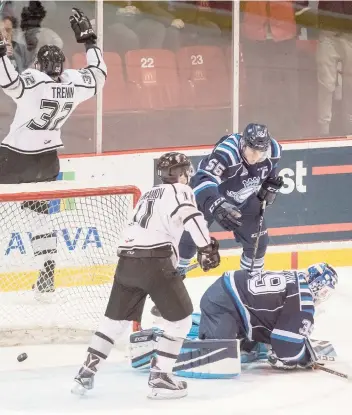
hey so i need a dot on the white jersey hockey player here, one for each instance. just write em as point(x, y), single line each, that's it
point(147, 266)
point(45, 96)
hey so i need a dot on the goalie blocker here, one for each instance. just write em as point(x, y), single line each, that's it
point(202, 359)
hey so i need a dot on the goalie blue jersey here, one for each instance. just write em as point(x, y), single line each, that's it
point(275, 308)
point(224, 173)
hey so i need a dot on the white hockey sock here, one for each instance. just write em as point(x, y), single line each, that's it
point(167, 352)
point(246, 263)
point(104, 338)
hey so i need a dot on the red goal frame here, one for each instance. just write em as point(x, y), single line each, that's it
point(69, 193)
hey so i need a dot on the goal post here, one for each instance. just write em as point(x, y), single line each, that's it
point(78, 230)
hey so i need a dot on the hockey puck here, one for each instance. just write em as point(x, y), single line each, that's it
point(21, 357)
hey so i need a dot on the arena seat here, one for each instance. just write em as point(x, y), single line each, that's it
point(203, 76)
point(153, 79)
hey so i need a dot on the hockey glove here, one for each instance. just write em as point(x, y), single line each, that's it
point(225, 214)
point(208, 257)
point(3, 46)
point(275, 362)
point(82, 27)
point(270, 188)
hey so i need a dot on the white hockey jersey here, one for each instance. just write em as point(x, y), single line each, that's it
point(161, 216)
point(44, 105)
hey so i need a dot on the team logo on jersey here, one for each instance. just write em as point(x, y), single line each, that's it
point(59, 205)
point(252, 181)
point(251, 185)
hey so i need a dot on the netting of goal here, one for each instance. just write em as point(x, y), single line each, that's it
point(87, 223)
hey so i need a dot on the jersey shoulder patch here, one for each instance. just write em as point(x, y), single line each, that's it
point(32, 77)
point(79, 77)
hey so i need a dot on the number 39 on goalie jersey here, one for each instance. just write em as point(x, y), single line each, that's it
point(276, 308)
point(161, 216)
point(44, 105)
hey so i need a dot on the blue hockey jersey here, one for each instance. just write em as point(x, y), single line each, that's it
point(275, 308)
point(224, 173)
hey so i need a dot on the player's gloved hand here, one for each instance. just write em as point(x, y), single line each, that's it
point(270, 188)
point(208, 257)
point(3, 46)
point(225, 214)
point(82, 27)
point(275, 362)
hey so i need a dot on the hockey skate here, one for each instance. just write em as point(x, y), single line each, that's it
point(163, 385)
point(85, 379)
point(44, 287)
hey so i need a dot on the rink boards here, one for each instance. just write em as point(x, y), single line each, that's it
point(309, 222)
point(278, 258)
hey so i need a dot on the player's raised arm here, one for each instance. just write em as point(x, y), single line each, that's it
point(91, 79)
point(10, 80)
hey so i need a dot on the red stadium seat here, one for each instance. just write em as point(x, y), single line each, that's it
point(203, 75)
point(153, 79)
point(115, 93)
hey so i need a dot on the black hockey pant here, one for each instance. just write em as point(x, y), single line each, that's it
point(16, 168)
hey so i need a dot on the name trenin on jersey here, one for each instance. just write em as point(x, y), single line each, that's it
point(63, 91)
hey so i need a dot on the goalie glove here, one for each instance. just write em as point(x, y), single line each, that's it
point(82, 27)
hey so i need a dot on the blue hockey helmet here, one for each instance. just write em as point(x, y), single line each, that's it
point(322, 280)
point(256, 136)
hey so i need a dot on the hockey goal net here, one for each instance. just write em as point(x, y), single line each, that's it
point(68, 236)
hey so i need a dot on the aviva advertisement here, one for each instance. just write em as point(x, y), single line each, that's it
point(86, 242)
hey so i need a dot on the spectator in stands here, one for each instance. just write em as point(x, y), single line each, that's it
point(269, 32)
point(16, 52)
point(334, 46)
point(36, 36)
point(193, 23)
point(137, 25)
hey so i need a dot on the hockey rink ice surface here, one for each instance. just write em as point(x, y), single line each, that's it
point(41, 384)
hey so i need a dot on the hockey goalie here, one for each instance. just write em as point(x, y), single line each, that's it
point(245, 318)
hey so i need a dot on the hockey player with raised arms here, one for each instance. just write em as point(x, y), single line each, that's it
point(45, 97)
point(272, 307)
point(147, 266)
point(230, 185)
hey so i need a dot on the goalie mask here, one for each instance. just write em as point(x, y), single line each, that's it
point(322, 280)
point(50, 60)
point(172, 166)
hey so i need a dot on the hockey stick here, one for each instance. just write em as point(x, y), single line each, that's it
point(321, 366)
point(191, 267)
point(262, 210)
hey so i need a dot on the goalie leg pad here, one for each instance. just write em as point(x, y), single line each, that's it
point(142, 347)
point(209, 359)
point(202, 359)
